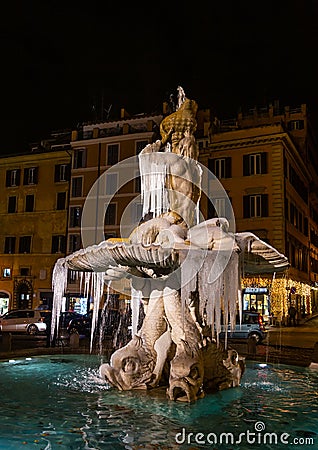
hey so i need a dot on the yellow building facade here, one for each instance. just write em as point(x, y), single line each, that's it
point(33, 217)
point(105, 197)
point(267, 164)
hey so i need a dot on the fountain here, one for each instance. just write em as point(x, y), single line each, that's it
point(185, 272)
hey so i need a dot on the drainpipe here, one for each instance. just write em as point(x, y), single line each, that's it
point(97, 191)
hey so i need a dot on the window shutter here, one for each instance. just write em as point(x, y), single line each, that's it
point(246, 169)
point(68, 172)
point(211, 210)
point(54, 244)
point(228, 167)
point(63, 244)
point(211, 165)
point(84, 158)
point(17, 180)
point(36, 175)
point(57, 173)
point(246, 206)
point(228, 208)
point(8, 178)
point(264, 162)
point(25, 176)
point(264, 205)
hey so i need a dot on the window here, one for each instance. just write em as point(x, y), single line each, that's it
point(255, 205)
point(221, 207)
point(221, 167)
point(111, 183)
point(72, 276)
point(13, 178)
point(79, 158)
point(30, 175)
point(255, 164)
point(140, 145)
point(6, 272)
point(29, 203)
point(298, 184)
point(12, 204)
point(58, 244)
point(62, 172)
point(112, 154)
point(110, 215)
point(75, 216)
point(137, 212)
point(77, 187)
point(74, 242)
point(24, 271)
point(61, 200)
point(295, 125)
point(25, 244)
point(9, 244)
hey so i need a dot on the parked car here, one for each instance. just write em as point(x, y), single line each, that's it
point(252, 326)
point(83, 324)
point(30, 321)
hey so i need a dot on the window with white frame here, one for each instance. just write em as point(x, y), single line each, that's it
point(30, 175)
point(58, 244)
point(62, 172)
point(79, 158)
point(255, 205)
point(136, 212)
point(74, 242)
point(219, 204)
point(111, 183)
point(77, 187)
point(75, 216)
point(255, 164)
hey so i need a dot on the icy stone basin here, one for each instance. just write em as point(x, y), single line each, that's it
point(59, 402)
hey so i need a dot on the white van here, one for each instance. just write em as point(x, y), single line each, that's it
point(252, 326)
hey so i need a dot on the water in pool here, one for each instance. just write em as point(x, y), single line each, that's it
point(59, 402)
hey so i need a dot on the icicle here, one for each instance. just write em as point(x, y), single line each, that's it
point(59, 283)
point(81, 282)
point(189, 269)
point(153, 174)
point(136, 296)
point(88, 276)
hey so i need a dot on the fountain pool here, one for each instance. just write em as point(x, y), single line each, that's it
point(60, 402)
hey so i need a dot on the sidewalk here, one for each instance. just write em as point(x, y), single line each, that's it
point(274, 354)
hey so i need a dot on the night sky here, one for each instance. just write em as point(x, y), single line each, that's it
point(67, 62)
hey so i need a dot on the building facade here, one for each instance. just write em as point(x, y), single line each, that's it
point(84, 186)
point(267, 162)
point(33, 215)
point(105, 197)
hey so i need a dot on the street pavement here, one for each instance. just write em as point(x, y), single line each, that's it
point(301, 336)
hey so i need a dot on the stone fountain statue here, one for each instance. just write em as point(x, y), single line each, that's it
point(186, 273)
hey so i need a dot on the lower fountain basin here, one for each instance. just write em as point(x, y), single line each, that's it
point(60, 402)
